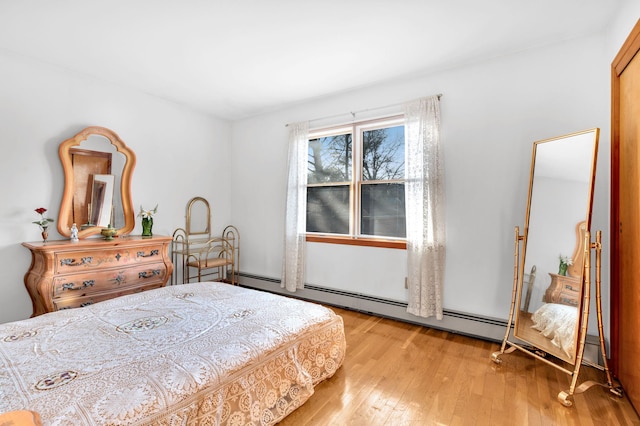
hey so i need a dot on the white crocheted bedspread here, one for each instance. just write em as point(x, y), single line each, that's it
point(202, 353)
point(558, 323)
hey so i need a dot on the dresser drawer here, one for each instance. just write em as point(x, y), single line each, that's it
point(79, 302)
point(83, 260)
point(569, 295)
point(82, 284)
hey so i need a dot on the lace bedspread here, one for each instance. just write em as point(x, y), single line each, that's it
point(559, 323)
point(203, 353)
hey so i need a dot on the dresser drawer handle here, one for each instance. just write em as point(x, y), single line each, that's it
point(569, 302)
point(120, 278)
point(72, 262)
point(150, 274)
point(151, 253)
point(72, 286)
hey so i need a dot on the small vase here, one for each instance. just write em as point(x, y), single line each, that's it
point(45, 234)
point(147, 227)
point(109, 232)
point(563, 269)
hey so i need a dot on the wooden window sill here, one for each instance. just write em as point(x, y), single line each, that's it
point(368, 242)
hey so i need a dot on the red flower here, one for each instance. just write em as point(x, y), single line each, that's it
point(44, 221)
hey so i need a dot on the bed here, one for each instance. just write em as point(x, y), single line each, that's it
point(201, 353)
point(558, 323)
point(557, 318)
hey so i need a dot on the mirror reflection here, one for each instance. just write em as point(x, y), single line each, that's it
point(93, 161)
point(101, 209)
point(98, 167)
point(558, 214)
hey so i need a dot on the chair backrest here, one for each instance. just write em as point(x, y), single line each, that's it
point(198, 220)
point(527, 283)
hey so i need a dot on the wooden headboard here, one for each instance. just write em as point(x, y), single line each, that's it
point(566, 289)
point(575, 269)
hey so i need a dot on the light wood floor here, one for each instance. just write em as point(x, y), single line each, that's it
point(403, 374)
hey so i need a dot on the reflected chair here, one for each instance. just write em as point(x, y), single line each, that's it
point(528, 280)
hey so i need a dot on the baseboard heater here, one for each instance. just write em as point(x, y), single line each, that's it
point(456, 322)
point(486, 328)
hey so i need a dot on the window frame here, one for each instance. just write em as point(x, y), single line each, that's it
point(355, 185)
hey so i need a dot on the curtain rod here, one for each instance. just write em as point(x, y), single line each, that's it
point(353, 113)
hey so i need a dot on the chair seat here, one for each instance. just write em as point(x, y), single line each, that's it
point(214, 262)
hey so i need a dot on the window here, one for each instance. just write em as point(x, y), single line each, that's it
point(355, 180)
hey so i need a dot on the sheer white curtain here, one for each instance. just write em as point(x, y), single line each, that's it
point(424, 198)
point(296, 209)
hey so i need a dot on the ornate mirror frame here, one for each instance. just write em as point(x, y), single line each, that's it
point(66, 205)
point(551, 278)
point(551, 200)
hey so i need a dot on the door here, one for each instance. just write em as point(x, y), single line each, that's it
point(625, 217)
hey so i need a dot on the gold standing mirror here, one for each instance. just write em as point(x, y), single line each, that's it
point(552, 261)
point(97, 167)
point(558, 216)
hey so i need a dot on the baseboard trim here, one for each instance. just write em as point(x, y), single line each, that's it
point(486, 328)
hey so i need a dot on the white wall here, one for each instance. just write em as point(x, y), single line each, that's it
point(621, 26)
point(492, 112)
point(180, 154)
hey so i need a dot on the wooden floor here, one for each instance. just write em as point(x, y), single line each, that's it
point(403, 374)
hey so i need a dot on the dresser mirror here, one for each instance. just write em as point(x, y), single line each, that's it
point(550, 282)
point(97, 167)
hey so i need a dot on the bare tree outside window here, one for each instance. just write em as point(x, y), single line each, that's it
point(330, 159)
point(383, 154)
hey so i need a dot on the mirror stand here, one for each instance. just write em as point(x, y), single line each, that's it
point(509, 346)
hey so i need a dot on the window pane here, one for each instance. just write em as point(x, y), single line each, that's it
point(328, 209)
point(330, 159)
point(383, 153)
point(382, 210)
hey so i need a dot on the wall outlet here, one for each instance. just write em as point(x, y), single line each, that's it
point(406, 283)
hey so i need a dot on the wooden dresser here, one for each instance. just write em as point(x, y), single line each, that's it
point(564, 290)
point(66, 275)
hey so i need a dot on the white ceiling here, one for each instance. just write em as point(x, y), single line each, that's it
point(238, 58)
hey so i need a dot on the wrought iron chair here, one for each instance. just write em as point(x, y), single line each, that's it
point(201, 254)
